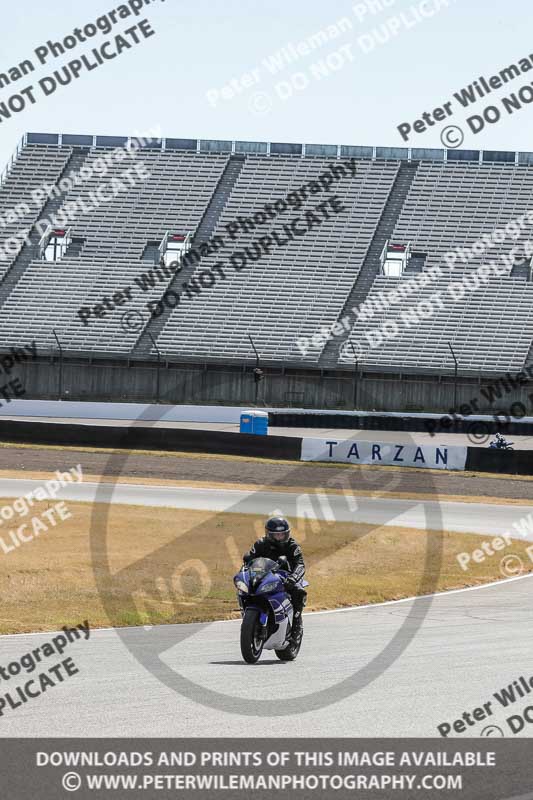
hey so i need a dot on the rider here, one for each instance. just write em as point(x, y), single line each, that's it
point(500, 442)
point(277, 542)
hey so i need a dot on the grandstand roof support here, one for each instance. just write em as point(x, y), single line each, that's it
point(355, 376)
point(60, 387)
point(158, 373)
point(456, 369)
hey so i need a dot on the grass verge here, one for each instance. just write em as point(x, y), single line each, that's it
point(176, 566)
point(256, 459)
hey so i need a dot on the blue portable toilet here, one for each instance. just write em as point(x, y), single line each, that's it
point(260, 423)
point(247, 424)
point(254, 422)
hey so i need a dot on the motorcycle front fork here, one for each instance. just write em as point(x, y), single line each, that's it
point(263, 634)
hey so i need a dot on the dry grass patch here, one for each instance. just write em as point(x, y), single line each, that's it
point(160, 565)
point(180, 454)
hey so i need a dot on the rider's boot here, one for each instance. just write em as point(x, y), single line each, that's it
point(297, 627)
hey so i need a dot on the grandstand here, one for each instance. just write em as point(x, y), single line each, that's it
point(422, 202)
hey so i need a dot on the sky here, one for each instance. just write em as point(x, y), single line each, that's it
point(359, 70)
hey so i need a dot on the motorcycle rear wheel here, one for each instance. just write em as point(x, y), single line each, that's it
point(251, 641)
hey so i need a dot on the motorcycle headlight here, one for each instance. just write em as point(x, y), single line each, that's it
point(268, 587)
point(241, 586)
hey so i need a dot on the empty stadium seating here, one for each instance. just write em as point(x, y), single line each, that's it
point(115, 236)
point(452, 205)
point(449, 206)
point(292, 292)
point(294, 289)
point(490, 330)
point(34, 166)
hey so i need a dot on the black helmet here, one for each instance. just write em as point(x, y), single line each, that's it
point(277, 530)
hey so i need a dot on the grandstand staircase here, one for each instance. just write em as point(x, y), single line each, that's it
point(529, 357)
point(75, 247)
point(416, 264)
point(372, 263)
point(204, 232)
point(522, 270)
point(30, 252)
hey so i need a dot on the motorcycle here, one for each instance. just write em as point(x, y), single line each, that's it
point(266, 609)
point(501, 443)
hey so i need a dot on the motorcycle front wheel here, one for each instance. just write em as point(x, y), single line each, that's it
point(251, 640)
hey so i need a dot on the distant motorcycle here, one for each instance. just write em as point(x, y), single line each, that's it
point(501, 443)
point(266, 610)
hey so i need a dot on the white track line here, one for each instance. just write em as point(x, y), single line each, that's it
point(422, 596)
point(309, 613)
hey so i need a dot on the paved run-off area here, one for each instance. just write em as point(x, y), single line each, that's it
point(460, 648)
point(397, 669)
point(193, 468)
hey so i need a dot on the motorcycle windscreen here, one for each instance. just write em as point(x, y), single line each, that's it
point(261, 566)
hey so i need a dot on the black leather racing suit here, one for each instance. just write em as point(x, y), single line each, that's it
point(266, 548)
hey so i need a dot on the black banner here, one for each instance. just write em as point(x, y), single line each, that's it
point(476, 769)
point(144, 435)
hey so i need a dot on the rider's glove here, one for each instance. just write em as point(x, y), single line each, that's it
point(290, 582)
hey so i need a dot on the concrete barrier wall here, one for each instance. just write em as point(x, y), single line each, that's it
point(399, 421)
point(510, 462)
point(151, 438)
point(122, 380)
point(278, 417)
point(519, 462)
point(126, 411)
